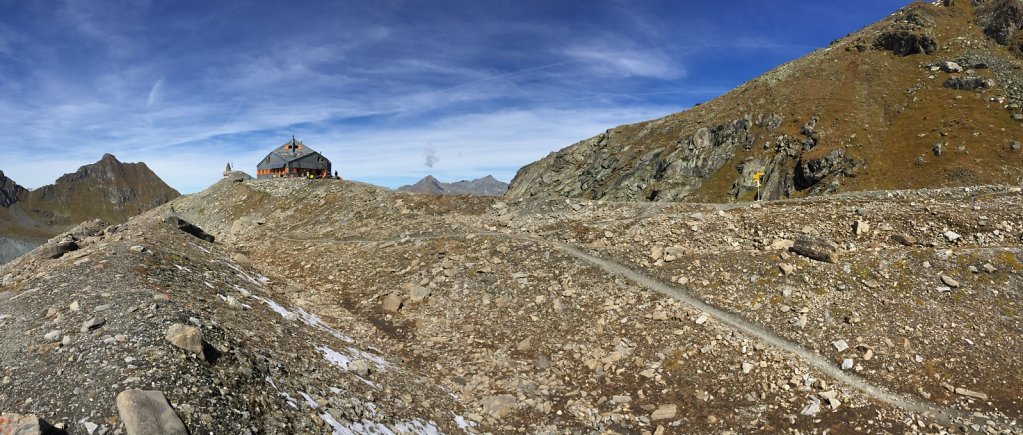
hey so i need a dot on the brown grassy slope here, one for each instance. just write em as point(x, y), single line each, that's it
point(884, 113)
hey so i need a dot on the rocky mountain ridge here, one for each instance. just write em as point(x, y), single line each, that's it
point(10, 192)
point(486, 186)
point(108, 189)
point(928, 97)
point(380, 312)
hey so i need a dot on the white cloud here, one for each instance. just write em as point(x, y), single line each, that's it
point(155, 94)
point(617, 60)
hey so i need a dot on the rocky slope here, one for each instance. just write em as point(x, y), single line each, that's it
point(335, 307)
point(927, 97)
point(486, 186)
point(107, 190)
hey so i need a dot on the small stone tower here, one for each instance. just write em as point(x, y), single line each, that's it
point(227, 170)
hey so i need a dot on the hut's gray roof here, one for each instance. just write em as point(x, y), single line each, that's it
point(294, 154)
point(292, 150)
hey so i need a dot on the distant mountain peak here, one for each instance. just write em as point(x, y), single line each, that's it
point(484, 186)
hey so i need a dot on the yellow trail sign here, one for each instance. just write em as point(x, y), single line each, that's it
point(757, 176)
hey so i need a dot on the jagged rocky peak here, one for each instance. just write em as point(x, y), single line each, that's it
point(929, 96)
point(113, 182)
point(486, 186)
point(10, 192)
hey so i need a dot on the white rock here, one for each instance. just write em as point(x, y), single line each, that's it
point(840, 345)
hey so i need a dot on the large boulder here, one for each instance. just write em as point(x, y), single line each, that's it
point(189, 228)
point(148, 413)
point(906, 43)
point(969, 83)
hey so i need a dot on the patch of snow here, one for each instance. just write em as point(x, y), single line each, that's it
point(277, 308)
point(183, 268)
point(241, 290)
point(464, 424)
point(243, 274)
point(339, 429)
point(315, 321)
point(199, 248)
point(375, 359)
point(335, 390)
point(337, 358)
point(419, 427)
point(368, 382)
point(208, 284)
point(309, 400)
point(291, 400)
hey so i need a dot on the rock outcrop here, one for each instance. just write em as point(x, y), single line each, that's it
point(862, 114)
point(10, 192)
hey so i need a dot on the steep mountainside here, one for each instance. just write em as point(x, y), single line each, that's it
point(486, 186)
point(107, 190)
point(930, 96)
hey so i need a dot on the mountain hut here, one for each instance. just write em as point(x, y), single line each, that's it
point(293, 159)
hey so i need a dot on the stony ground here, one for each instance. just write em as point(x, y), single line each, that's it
point(402, 312)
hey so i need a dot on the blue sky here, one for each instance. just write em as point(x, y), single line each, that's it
point(383, 88)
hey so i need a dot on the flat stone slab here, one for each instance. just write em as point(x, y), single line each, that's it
point(148, 413)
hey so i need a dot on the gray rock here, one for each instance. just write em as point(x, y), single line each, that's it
point(847, 363)
point(53, 335)
point(950, 67)
point(831, 397)
point(861, 227)
point(951, 236)
point(812, 408)
point(189, 228)
point(391, 303)
point(969, 83)
point(148, 413)
point(976, 395)
point(185, 337)
point(92, 323)
point(499, 406)
point(418, 293)
point(840, 345)
point(815, 248)
point(58, 250)
point(949, 281)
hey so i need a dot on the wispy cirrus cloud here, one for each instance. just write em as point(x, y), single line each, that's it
point(155, 93)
